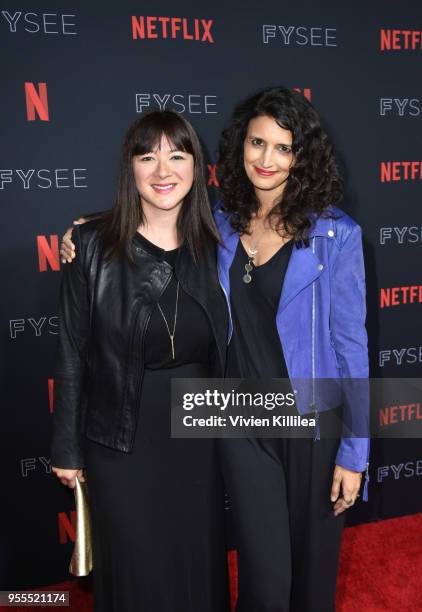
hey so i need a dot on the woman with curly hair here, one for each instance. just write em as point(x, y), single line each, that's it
point(291, 266)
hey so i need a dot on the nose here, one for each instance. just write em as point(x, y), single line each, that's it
point(162, 169)
point(267, 157)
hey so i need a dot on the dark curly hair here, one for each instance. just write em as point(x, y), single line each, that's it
point(314, 181)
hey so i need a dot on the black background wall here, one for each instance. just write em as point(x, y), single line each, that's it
point(359, 64)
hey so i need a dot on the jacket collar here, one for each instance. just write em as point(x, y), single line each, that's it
point(322, 226)
point(304, 266)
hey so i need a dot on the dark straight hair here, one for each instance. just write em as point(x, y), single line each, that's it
point(195, 223)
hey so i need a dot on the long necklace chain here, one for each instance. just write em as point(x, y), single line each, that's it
point(252, 251)
point(171, 334)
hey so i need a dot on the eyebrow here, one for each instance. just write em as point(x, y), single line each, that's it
point(158, 149)
point(284, 144)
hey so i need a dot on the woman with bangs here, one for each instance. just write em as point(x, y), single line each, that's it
point(140, 305)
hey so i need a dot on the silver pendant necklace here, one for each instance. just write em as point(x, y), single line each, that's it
point(249, 266)
point(171, 334)
point(252, 251)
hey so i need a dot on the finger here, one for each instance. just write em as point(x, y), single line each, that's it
point(335, 489)
point(342, 504)
point(349, 492)
point(340, 507)
point(68, 234)
point(67, 242)
point(66, 252)
point(69, 482)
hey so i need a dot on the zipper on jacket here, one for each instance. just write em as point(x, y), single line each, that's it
point(228, 306)
point(139, 338)
point(313, 404)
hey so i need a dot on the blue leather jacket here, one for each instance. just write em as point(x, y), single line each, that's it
point(320, 317)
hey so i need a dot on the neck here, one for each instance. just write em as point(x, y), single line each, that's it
point(267, 200)
point(160, 227)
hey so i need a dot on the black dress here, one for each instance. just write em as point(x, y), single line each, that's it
point(287, 537)
point(158, 512)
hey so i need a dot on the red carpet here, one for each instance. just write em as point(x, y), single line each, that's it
point(380, 570)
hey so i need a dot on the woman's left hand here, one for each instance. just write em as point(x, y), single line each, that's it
point(345, 489)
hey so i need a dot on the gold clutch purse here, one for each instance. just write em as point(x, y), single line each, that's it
point(81, 561)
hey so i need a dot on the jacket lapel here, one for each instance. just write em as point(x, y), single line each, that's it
point(302, 270)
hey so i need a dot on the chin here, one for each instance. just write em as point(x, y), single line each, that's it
point(264, 185)
point(167, 205)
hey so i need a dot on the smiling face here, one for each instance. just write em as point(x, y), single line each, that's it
point(268, 156)
point(163, 177)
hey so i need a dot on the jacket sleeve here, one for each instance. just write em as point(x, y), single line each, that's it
point(74, 315)
point(347, 318)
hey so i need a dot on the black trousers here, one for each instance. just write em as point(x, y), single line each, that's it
point(287, 537)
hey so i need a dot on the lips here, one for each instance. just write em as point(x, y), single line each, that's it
point(163, 188)
point(263, 172)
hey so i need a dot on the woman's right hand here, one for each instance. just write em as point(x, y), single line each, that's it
point(68, 477)
point(67, 248)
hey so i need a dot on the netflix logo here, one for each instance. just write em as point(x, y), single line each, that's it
point(48, 253)
point(50, 384)
point(401, 413)
point(44, 178)
point(36, 100)
point(306, 92)
point(172, 27)
point(212, 175)
point(400, 40)
point(400, 171)
point(67, 526)
point(398, 296)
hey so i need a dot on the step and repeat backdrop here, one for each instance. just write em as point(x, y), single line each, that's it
point(74, 75)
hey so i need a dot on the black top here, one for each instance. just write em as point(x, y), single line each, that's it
point(255, 350)
point(193, 339)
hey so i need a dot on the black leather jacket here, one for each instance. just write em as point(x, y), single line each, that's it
point(105, 307)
